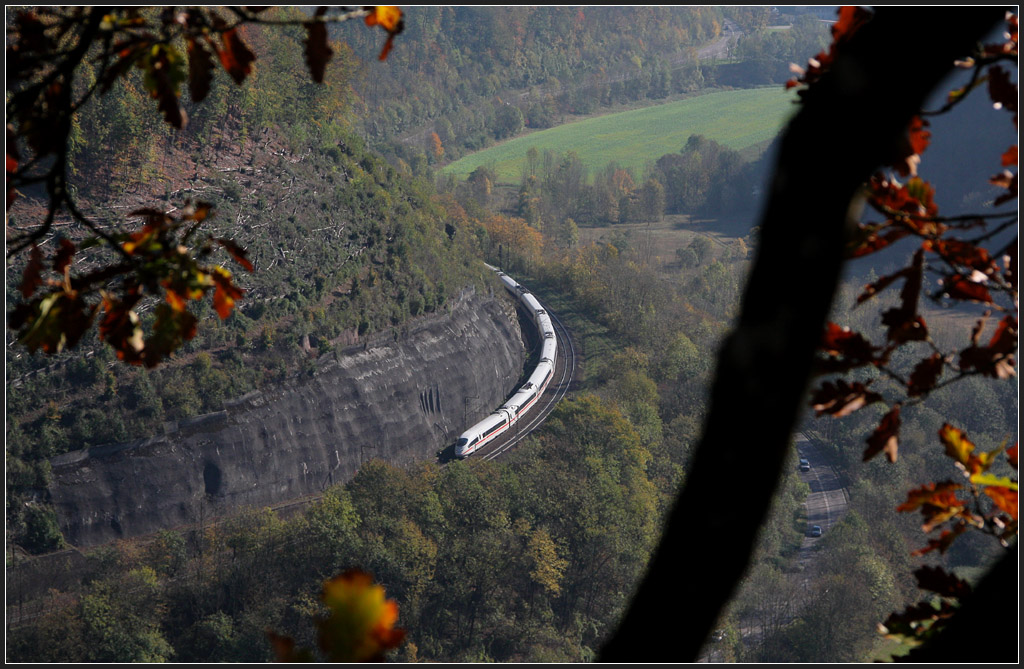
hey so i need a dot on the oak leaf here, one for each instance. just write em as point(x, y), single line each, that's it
point(885, 437)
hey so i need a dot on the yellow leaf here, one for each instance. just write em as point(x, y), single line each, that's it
point(361, 624)
point(385, 17)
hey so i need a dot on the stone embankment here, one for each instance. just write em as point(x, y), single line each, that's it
point(399, 401)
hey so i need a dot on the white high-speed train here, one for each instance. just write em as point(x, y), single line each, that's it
point(511, 411)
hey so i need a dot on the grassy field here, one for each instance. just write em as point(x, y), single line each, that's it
point(738, 119)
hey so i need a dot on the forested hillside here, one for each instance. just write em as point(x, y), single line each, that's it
point(342, 246)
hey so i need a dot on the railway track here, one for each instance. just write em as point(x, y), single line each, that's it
point(565, 373)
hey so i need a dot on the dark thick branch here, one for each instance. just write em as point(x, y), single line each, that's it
point(850, 124)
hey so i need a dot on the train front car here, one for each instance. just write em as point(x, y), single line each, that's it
point(480, 434)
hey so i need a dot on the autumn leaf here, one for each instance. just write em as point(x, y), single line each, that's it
point(844, 349)
point(841, 398)
point(237, 252)
point(120, 326)
point(31, 277)
point(914, 144)
point(225, 293)
point(996, 359)
point(924, 376)
point(1005, 498)
point(957, 252)
point(390, 19)
point(200, 70)
point(1009, 158)
point(938, 503)
point(943, 542)
point(1001, 89)
point(960, 287)
point(63, 257)
point(361, 623)
point(235, 57)
point(885, 437)
point(961, 449)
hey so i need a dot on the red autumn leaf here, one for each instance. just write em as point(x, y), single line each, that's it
point(200, 70)
point(317, 50)
point(937, 501)
point(885, 437)
point(1001, 89)
point(996, 359)
point(842, 342)
point(120, 327)
point(1011, 455)
point(914, 144)
point(841, 399)
point(914, 199)
point(197, 212)
point(64, 255)
point(943, 542)
point(1009, 158)
point(225, 293)
point(924, 376)
point(236, 57)
point(908, 623)
point(960, 287)
point(31, 277)
point(956, 252)
point(1004, 498)
point(177, 301)
point(237, 252)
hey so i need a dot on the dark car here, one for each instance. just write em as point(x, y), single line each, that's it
point(815, 531)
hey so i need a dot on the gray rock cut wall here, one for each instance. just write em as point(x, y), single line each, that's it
point(399, 401)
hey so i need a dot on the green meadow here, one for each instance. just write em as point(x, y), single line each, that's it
point(738, 119)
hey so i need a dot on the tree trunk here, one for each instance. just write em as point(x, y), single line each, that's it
point(850, 124)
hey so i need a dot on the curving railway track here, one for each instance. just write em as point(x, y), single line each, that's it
point(565, 373)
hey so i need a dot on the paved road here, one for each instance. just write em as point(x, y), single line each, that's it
point(825, 505)
point(827, 501)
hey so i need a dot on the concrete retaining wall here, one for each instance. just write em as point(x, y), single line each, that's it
point(399, 401)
